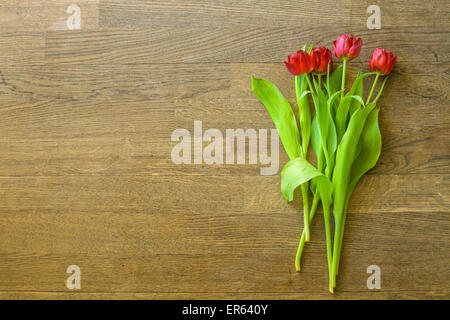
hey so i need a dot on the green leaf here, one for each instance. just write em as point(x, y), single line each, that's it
point(359, 101)
point(315, 138)
point(357, 91)
point(325, 121)
point(282, 115)
point(298, 171)
point(370, 142)
point(335, 80)
point(342, 116)
point(321, 168)
point(342, 112)
point(344, 159)
point(331, 137)
point(318, 151)
point(325, 187)
point(303, 95)
point(332, 98)
point(304, 111)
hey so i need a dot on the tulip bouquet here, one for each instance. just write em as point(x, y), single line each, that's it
point(343, 132)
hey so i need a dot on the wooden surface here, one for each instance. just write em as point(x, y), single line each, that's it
point(86, 176)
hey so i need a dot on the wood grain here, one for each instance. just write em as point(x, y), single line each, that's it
point(24, 15)
point(86, 176)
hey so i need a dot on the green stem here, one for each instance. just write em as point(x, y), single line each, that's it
point(304, 188)
point(344, 68)
point(344, 217)
point(314, 207)
point(301, 244)
point(326, 217)
point(309, 83)
point(297, 87)
point(380, 91)
point(341, 238)
point(319, 80)
point(316, 199)
point(373, 87)
point(337, 237)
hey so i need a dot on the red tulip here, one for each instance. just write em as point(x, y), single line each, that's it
point(321, 57)
point(347, 46)
point(382, 61)
point(299, 63)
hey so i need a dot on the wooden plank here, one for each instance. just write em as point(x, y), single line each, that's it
point(42, 15)
point(225, 44)
point(110, 262)
point(105, 83)
point(118, 137)
point(341, 13)
point(198, 92)
point(198, 82)
point(252, 194)
point(144, 154)
point(30, 295)
point(25, 48)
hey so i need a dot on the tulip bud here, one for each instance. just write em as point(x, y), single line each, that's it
point(347, 46)
point(382, 61)
point(321, 58)
point(299, 63)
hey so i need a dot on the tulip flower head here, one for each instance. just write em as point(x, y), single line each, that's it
point(321, 58)
point(382, 61)
point(347, 46)
point(299, 63)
